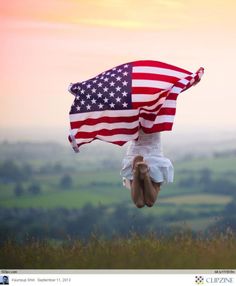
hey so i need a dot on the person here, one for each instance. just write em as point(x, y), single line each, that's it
point(5, 280)
point(145, 169)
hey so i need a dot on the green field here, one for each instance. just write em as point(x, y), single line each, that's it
point(197, 199)
point(217, 165)
point(98, 182)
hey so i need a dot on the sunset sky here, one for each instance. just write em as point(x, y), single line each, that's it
point(47, 44)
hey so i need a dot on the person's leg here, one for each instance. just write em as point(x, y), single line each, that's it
point(137, 193)
point(150, 188)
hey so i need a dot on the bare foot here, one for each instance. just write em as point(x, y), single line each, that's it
point(136, 160)
point(143, 169)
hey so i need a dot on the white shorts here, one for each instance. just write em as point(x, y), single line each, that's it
point(161, 169)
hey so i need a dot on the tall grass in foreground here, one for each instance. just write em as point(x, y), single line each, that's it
point(134, 252)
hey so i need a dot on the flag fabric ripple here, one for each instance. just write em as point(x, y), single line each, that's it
point(115, 104)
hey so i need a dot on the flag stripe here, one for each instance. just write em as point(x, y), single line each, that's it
point(151, 83)
point(159, 120)
point(152, 116)
point(169, 103)
point(143, 98)
point(105, 119)
point(106, 132)
point(119, 143)
point(108, 126)
point(158, 127)
point(149, 104)
point(109, 113)
point(157, 70)
point(160, 65)
point(159, 77)
point(111, 138)
point(145, 90)
point(167, 111)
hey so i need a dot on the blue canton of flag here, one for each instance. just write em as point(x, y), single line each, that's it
point(110, 90)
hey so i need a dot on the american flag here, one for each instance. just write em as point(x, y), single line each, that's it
point(115, 104)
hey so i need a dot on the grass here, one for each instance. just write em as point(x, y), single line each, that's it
point(216, 165)
point(134, 252)
point(73, 198)
point(196, 224)
point(198, 199)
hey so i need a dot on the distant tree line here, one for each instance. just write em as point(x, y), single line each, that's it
point(203, 180)
point(10, 171)
point(34, 188)
point(106, 221)
point(42, 224)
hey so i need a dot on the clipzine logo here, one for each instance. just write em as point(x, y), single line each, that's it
point(200, 280)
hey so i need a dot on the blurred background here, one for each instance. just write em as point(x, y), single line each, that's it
point(49, 192)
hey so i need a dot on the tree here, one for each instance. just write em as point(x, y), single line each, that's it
point(11, 172)
point(18, 190)
point(66, 182)
point(34, 189)
point(205, 177)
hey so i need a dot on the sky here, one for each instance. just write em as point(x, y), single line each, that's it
point(47, 44)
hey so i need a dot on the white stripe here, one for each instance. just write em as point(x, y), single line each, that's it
point(164, 118)
point(161, 71)
point(159, 119)
point(108, 126)
point(144, 97)
point(113, 138)
point(176, 89)
point(151, 83)
point(184, 81)
point(169, 103)
point(99, 114)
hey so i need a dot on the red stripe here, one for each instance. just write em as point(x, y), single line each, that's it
point(158, 65)
point(159, 127)
point(120, 143)
point(172, 96)
point(159, 77)
point(106, 132)
point(146, 90)
point(167, 111)
point(104, 119)
point(162, 111)
point(148, 116)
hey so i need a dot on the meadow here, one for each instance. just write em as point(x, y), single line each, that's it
point(133, 252)
point(103, 186)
